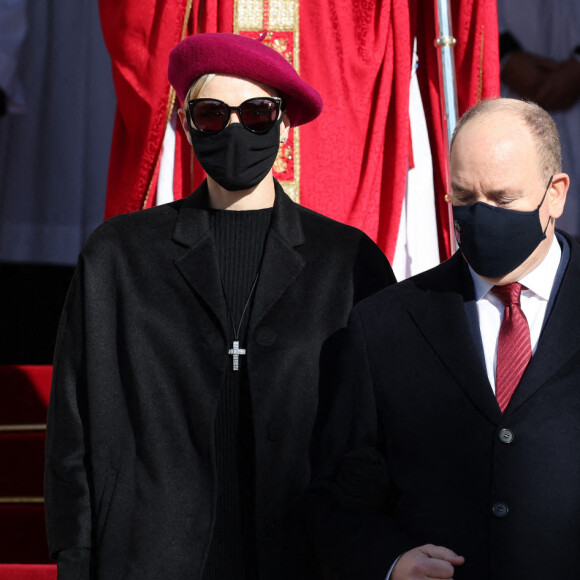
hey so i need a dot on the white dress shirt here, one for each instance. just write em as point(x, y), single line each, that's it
point(534, 302)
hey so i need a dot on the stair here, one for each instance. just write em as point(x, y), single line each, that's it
point(25, 392)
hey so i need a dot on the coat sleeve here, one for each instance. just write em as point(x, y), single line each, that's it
point(372, 271)
point(347, 505)
point(67, 497)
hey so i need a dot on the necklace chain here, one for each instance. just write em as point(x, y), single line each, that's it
point(236, 351)
point(237, 331)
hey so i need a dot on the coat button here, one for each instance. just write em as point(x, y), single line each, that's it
point(265, 336)
point(506, 436)
point(500, 509)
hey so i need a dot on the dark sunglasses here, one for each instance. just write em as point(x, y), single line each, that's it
point(257, 115)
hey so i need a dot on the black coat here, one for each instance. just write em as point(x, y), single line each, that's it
point(501, 490)
point(140, 361)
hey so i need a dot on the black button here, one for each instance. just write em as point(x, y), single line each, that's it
point(506, 436)
point(265, 336)
point(500, 510)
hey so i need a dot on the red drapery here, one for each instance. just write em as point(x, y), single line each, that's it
point(358, 55)
point(355, 52)
point(139, 35)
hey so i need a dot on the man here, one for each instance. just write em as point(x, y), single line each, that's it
point(418, 463)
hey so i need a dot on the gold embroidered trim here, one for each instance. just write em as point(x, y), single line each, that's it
point(248, 15)
point(280, 20)
point(283, 14)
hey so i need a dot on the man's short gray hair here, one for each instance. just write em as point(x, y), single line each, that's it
point(536, 119)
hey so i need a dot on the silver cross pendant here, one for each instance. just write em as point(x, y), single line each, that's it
point(236, 352)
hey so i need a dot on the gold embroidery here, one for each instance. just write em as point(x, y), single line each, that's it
point(283, 14)
point(280, 19)
point(284, 159)
point(248, 15)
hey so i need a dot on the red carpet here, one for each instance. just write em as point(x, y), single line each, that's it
point(27, 572)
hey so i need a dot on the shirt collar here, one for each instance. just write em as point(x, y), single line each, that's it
point(540, 280)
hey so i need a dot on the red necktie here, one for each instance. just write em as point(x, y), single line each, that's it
point(514, 349)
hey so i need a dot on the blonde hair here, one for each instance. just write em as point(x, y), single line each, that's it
point(537, 120)
point(196, 87)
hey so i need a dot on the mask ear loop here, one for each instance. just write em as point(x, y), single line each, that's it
point(541, 203)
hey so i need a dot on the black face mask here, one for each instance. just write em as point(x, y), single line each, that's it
point(496, 240)
point(236, 158)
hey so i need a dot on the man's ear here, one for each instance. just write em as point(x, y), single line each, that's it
point(183, 119)
point(557, 194)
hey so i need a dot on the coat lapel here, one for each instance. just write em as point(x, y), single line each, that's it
point(560, 338)
point(199, 264)
point(441, 317)
point(281, 263)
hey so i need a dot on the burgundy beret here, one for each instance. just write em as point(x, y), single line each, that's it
point(225, 53)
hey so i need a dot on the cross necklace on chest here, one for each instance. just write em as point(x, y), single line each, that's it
point(235, 352)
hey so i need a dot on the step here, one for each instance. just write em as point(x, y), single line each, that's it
point(24, 392)
point(27, 571)
point(23, 534)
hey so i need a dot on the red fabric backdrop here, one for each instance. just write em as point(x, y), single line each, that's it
point(138, 35)
point(357, 53)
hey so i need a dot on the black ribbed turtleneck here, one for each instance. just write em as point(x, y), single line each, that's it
point(239, 237)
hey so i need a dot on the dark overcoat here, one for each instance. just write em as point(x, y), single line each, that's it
point(140, 362)
point(502, 490)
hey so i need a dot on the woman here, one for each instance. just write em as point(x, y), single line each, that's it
point(185, 380)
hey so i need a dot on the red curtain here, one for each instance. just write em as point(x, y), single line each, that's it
point(139, 35)
point(358, 55)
